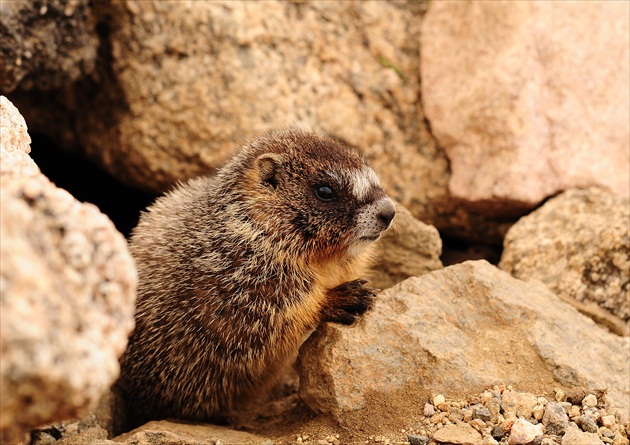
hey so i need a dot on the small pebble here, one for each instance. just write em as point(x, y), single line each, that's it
point(606, 432)
point(438, 400)
point(498, 432)
point(587, 424)
point(494, 406)
point(538, 411)
point(566, 406)
point(589, 401)
point(574, 412)
point(459, 434)
point(415, 439)
point(482, 413)
point(555, 419)
point(560, 395)
point(437, 418)
point(608, 421)
point(523, 432)
point(456, 415)
point(429, 410)
point(591, 412)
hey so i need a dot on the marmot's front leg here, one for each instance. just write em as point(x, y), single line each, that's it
point(347, 301)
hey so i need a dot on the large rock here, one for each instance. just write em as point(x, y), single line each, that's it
point(528, 98)
point(67, 286)
point(457, 331)
point(167, 102)
point(180, 101)
point(578, 244)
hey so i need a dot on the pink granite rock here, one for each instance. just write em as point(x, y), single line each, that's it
point(528, 98)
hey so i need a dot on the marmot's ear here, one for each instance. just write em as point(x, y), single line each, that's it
point(267, 165)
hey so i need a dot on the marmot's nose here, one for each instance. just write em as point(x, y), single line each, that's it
point(386, 214)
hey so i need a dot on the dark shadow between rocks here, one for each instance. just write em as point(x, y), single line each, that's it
point(87, 182)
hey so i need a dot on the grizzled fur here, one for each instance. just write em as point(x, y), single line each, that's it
point(235, 270)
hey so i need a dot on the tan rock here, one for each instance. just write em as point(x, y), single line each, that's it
point(170, 102)
point(462, 434)
point(528, 98)
point(574, 436)
point(67, 291)
point(168, 433)
point(458, 330)
point(521, 403)
point(409, 248)
point(523, 432)
point(346, 68)
point(578, 245)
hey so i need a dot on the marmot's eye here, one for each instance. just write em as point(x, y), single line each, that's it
point(324, 193)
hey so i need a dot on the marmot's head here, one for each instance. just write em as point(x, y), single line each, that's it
point(310, 192)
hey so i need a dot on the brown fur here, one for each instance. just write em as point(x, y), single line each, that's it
point(234, 271)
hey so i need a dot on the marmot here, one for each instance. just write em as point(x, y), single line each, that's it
point(235, 269)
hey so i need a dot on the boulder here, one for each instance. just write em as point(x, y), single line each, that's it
point(167, 101)
point(67, 286)
point(178, 102)
point(578, 245)
point(409, 248)
point(528, 98)
point(454, 331)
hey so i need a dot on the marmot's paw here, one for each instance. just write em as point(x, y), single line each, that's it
point(349, 300)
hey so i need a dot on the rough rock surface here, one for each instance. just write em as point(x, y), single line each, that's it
point(524, 432)
point(167, 101)
point(463, 434)
point(578, 244)
point(46, 44)
point(167, 433)
point(528, 98)
point(346, 68)
point(409, 248)
point(350, 69)
point(574, 436)
point(15, 143)
point(454, 331)
point(67, 285)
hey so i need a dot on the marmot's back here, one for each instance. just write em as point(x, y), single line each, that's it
point(235, 269)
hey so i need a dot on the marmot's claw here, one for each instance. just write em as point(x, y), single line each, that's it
point(351, 298)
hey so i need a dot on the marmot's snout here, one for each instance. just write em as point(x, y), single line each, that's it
point(387, 213)
point(373, 219)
